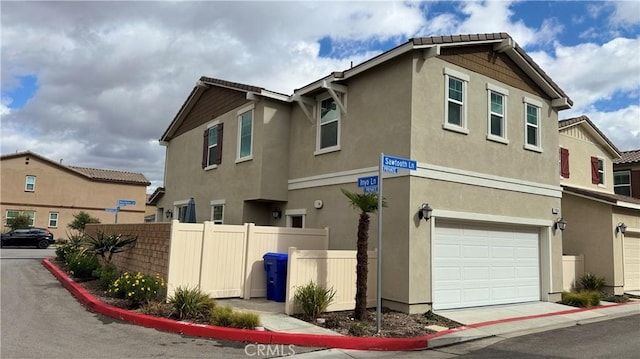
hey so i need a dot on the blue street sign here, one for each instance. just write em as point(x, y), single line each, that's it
point(390, 162)
point(368, 181)
point(111, 210)
point(389, 169)
point(371, 189)
point(126, 202)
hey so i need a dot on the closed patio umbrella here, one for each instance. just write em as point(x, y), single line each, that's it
point(190, 214)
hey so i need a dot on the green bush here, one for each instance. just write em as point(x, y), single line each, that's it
point(106, 245)
point(313, 299)
point(221, 316)
point(157, 309)
point(582, 299)
point(81, 265)
point(107, 275)
point(358, 329)
point(191, 303)
point(591, 281)
point(73, 244)
point(244, 320)
point(137, 288)
point(608, 297)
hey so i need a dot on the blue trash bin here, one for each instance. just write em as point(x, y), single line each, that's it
point(275, 264)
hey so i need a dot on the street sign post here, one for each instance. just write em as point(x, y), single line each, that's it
point(388, 164)
point(111, 210)
point(126, 202)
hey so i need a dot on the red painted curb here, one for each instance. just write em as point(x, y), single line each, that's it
point(263, 337)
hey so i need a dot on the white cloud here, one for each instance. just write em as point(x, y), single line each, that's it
point(622, 127)
point(625, 13)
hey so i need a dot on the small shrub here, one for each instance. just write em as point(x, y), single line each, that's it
point(591, 281)
point(358, 329)
point(582, 299)
point(244, 320)
point(106, 275)
point(157, 309)
point(82, 265)
point(106, 245)
point(191, 303)
point(72, 245)
point(137, 288)
point(313, 299)
point(615, 298)
point(222, 316)
point(332, 323)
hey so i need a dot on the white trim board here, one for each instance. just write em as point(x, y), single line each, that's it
point(432, 172)
point(490, 218)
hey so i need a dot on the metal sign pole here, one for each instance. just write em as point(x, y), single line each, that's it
point(117, 210)
point(379, 279)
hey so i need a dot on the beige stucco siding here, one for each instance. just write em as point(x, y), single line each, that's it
point(582, 146)
point(473, 151)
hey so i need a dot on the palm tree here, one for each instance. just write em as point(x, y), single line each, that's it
point(366, 203)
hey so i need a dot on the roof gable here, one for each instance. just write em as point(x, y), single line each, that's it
point(582, 126)
point(93, 174)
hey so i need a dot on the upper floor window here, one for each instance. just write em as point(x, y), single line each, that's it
point(622, 182)
point(212, 146)
point(53, 219)
point(597, 170)
point(30, 184)
point(564, 162)
point(456, 98)
point(328, 136)
point(532, 131)
point(497, 117)
point(245, 134)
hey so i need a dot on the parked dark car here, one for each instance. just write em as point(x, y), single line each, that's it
point(39, 237)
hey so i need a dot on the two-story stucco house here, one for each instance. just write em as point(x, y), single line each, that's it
point(51, 193)
point(476, 113)
point(601, 225)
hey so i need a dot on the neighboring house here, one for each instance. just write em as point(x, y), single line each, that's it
point(51, 193)
point(594, 213)
point(149, 210)
point(626, 174)
point(475, 112)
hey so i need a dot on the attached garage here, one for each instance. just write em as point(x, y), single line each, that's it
point(478, 264)
point(631, 254)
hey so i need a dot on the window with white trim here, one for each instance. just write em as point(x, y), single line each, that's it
point(30, 184)
point(212, 145)
point(217, 211)
point(245, 134)
point(11, 214)
point(53, 219)
point(328, 129)
point(295, 218)
point(600, 171)
point(497, 113)
point(455, 110)
point(532, 122)
point(622, 183)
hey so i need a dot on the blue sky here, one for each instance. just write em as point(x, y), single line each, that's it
point(106, 78)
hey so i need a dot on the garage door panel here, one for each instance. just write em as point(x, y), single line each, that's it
point(496, 265)
point(631, 262)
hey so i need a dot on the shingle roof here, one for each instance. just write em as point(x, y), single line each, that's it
point(235, 85)
point(632, 156)
point(575, 120)
point(95, 174)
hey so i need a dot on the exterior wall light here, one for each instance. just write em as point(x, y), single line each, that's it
point(560, 224)
point(425, 211)
point(276, 213)
point(621, 228)
point(168, 213)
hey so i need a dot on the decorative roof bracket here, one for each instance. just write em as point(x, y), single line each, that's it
point(303, 102)
point(332, 88)
point(429, 52)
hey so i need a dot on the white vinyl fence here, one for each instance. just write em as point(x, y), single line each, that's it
point(332, 269)
point(572, 270)
point(226, 260)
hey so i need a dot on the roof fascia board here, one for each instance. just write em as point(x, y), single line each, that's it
point(629, 205)
point(197, 91)
point(253, 96)
point(588, 197)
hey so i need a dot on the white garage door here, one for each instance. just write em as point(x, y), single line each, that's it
point(631, 262)
point(476, 265)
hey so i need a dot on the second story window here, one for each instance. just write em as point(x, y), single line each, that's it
point(622, 182)
point(597, 170)
point(53, 219)
point(455, 117)
point(212, 146)
point(245, 135)
point(328, 136)
point(30, 184)
point(497, 116)
point(532, 130)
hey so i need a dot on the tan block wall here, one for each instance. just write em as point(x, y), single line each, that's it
point(150, 254)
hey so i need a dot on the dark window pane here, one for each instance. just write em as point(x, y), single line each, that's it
point(496, 125)
point(455, 114)
point(532, 135)
point(329, 135)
